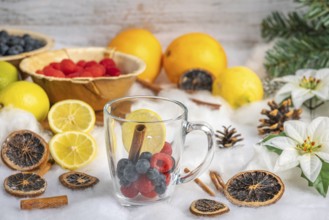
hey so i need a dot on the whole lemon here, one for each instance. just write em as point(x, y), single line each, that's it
point(238, 86)
point(142, 44)
point(8, 74)
point(194, 50)
point(27, 96)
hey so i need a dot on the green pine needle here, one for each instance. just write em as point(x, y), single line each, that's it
point(289, 55)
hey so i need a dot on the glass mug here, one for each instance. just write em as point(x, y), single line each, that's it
point(145, 142)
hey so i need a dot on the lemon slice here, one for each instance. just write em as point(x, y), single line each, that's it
point(71, 115)
point(155, 132)
point(72, 149)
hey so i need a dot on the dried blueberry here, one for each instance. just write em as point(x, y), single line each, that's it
point(142, 166)
point(3, 49)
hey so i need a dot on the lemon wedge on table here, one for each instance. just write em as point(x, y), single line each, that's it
point(73, 149)
point(71, 115)
point(155, 134)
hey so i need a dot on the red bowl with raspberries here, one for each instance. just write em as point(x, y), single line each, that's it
point(94, 75)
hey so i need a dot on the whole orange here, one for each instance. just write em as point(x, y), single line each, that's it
point(194, 50)
point(143, 44)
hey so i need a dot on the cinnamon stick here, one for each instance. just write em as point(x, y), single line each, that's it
point(153, 87)
point(213, 106)
point(217, 180)
point(137, 142)
point(201, 184)
point(42, 203)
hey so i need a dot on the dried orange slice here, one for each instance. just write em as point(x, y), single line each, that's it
point(24, 150)
point(25, 184)
point(254, 188)
point(208, 207)
point(71, 115)
point(77, 180)
point(73, 149)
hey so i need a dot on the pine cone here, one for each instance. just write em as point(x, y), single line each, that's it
point(276, 116)
point(227, 138)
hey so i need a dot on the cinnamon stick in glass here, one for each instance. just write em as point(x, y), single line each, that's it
point(137, 142)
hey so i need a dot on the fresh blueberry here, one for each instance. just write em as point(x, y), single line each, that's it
point(161, 188)
point(130, 173)
point(152, 174)
point(159, 180)
point(3, 49)
point(146, 155)
point(14, 50)
point(122, 164)
point(124, 182)
point(142, 166)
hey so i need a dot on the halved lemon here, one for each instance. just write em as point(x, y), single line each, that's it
point(73, 149)
point(155, 134)
point(71, 115)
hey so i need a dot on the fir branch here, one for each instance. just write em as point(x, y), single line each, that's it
point(318, 10)
point(293, 25)
point(289, 55)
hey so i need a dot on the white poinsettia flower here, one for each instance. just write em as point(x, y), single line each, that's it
point(304, 145)
point(306, 84)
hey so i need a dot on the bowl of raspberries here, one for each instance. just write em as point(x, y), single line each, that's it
point(16, 44)
point(95, 75)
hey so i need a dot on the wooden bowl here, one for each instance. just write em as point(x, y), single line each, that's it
point(95, 91)
point(16, 59)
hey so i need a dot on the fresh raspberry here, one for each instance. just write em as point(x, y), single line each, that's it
point(151, 194)
point(129, 191)
point(81, 63)
point(112, 71)
point(107, 62)
point(40, 72)
point(168, 178)
point(73, 75)
point(90, 63)
point(162, 162)
point(143, 184)
point(167, 149)
point(50, 71)
point(55, 65)
point(68, 66)
point(96, 70)
point(86, 73)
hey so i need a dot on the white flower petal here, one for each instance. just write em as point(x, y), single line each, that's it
point(287, 160)
point(311, 166)
point(316, 129)
point(305, 72)
point(300, 95)
point(284, 92)
point(281, 142)
point(296, 130)
point(322, 91)
point(322, 73)
point(324, 156)
point(288, 79)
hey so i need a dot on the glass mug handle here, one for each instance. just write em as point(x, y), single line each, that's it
point(193, 126)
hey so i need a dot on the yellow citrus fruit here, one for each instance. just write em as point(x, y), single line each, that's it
point(155, 134)
point(73, 149)
point(27, 96)
point(8, 74)
point(143, 44)
point(238, 86)
point(194, 50)
point(71, 115)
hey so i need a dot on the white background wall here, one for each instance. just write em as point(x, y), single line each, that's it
point(235, 23)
